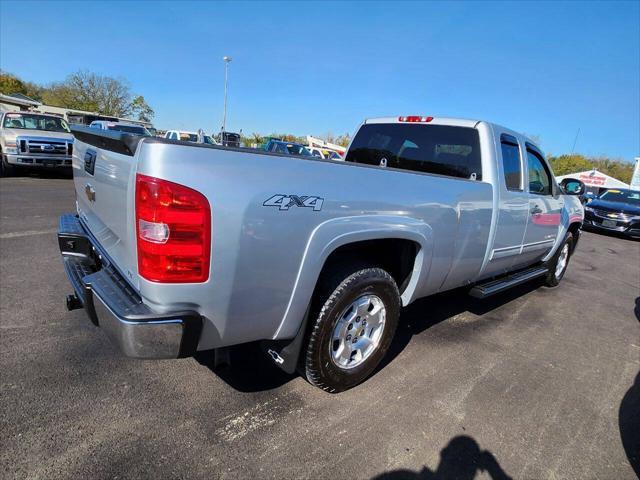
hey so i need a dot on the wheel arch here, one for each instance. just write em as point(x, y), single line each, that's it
point(333, 240)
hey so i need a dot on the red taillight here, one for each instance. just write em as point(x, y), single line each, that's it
point(415, 118)
point(173, 229)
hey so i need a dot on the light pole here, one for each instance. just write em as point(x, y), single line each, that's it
point(224, 115)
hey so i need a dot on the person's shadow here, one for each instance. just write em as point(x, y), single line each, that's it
point(461, 459)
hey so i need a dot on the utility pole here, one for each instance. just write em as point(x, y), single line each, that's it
point(224, 115)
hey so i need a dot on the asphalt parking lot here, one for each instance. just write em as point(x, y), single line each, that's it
point(537, 383)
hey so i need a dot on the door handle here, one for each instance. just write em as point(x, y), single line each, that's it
point(536, 210)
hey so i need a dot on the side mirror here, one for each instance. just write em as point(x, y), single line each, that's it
point(572, 186)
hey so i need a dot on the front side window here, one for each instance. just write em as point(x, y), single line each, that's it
point(511, 162)
point(539, 177)
point(439, 149)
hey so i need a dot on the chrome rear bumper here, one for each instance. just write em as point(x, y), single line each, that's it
point(114, 306)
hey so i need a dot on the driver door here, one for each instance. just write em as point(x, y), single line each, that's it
point(545, 208)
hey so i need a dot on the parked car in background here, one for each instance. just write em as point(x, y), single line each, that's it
point(34, 140)
point(287, 148)
point(615, 210)
point(230, 139)
point(193, 137)
point(175, 249)
point(121, 127)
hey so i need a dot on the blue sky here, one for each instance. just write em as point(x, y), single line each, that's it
point(547, 69)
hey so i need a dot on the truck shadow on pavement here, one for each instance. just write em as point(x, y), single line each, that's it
point(461, 459)
point(245, 374)
point(430, 311)
point(43, 173)
point(249, 369)
point(629, 424)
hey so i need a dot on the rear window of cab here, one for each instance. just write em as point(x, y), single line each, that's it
point(439, 149)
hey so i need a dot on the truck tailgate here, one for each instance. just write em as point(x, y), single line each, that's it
point(104, 170)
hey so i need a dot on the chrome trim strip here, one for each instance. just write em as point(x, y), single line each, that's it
point(505, 252)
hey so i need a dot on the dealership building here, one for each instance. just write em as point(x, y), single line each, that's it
point(21, 103)
point(595, 180)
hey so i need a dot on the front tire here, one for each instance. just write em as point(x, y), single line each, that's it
point(354, 323)
point(6, 169)
point(559, 263)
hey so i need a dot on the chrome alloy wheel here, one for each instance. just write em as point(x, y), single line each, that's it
point(358, 331)
point(562, 261)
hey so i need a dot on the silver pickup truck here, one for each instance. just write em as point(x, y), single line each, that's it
point(178, 247)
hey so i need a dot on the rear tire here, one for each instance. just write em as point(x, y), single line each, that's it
point(355, 319)
point(560, 262)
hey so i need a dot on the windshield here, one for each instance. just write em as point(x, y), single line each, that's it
point(622, 196)
point(208, 140)
point(28, 121)
point(188, 137)
point(130, 129)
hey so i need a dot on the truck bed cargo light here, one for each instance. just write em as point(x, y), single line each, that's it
point(415, 118)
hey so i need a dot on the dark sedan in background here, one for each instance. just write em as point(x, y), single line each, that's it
point(616, 210)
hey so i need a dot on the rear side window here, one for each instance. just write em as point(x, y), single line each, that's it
point(511, 162)
point(439, 149)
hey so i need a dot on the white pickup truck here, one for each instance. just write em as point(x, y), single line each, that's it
point(177, 247)
point(34, 140)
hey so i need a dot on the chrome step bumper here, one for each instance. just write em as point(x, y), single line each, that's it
point(114, 306)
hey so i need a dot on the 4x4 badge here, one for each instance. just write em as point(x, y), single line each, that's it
point(285, 202)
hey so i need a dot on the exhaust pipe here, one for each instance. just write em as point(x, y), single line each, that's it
point(73, 302)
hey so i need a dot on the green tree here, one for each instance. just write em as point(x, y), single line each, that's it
point(10, 84)
point(569, 164)
point(343, 140)
point(141, 109)
point(85, 90)
point(565, 164)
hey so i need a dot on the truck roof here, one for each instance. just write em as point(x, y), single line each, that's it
point(30, 112)
point(458, 122)
point(451, 121)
